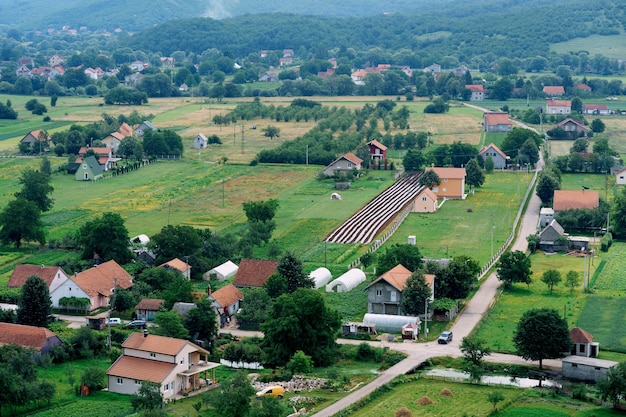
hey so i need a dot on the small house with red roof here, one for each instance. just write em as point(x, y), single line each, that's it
point(425, 202)
point(584, 87)
point(558, 107)
point(497, 122)
point(113, 141)
point(148, 307)
point(499, 158)
point(96, 284)
point(104, 156)
point(452, 182)
point(177, 366)
point(378, 153)
point(178, 265)
point(575, 199)
point(384, 295)
point(53, 276)
point(478, 92)
point(38, 140)
point(345, 163)
point(583, 344)
point(583, 363)
point(573, 129)
point(596, 109)
point(39, 339)
point(254, 272)
point(358, 77)
point(55, 59)
point(553, 90)
point(226, 301)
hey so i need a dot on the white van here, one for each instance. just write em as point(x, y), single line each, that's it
point(114, 321)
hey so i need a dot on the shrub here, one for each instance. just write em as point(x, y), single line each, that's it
point(364, 352)
point(606, 242)
point(300, 363)
point(93, 378)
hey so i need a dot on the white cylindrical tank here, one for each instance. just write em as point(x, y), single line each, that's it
point(321, 276)
point(389, 323)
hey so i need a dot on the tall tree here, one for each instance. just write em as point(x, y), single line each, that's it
point(429, 179)
point(170, 324)
point(260, 211)
point(413, 160)
point(551, 278)
point(415, 294)
point(514, 267)
point(407, 255)
point(201, 322)
point(176, 242)
point(291, 268)
point(107, 237)
point(35, 305)
point(613, 387)
point(542, 334)
point(36, 187)
point(234, 400)
point(21, 220)
point(547, 182)
point(300, 321)
point(474, 176)
point(457, 279)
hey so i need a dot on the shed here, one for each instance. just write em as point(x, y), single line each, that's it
point(321, 276)
point(347, 281)
point(389, 323)
point(582, 368)
point(222, 272)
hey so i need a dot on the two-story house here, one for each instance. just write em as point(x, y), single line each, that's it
point(452, 182)
point(347, 162)
point(497, 121)
point(384, 295)
point(499, 158)
point(478, 92)
point(177, 365)
point(558, 106)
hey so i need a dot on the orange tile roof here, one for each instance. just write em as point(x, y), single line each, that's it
point(254, 272)
point(26, 336)
point(153, 304)
point(158, 344)
point(497, 118)
point(495, 148)
point(377, 144)
point(457, 173)
point(125, 129)
point(559, 103)
point(22, 272)
point(35, 134)
point(227, 295)
point(475, 88)
point(176, 264)
point(98, 151)
point(575, 199)
point(140, 369)
point(553, 89)
point(429, 193)
point(578, 335)
point(102, 278)
point(396, 277)
point(353, 158)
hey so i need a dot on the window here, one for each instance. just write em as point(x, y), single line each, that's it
point(581, 348)
point(424, 199)
point(152, 355)
point(392, 295)
point(445, 180)
point(574, 365)
point(379, 292)
point(167, 386)
point(182, 361)
point(349, 164)
point(137, 382)
point(120, 381)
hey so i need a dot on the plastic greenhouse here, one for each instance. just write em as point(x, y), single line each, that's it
point(321, 276)
point(347, 281)
point(389, 323)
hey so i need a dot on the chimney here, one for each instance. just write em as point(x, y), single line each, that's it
point(145, 333)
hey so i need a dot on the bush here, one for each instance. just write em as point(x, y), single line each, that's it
point(280, 375)
point(364, 352)
point(300, 363)
point(606, 242)
point(93, 378)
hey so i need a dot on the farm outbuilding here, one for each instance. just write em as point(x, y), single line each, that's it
point(321, 276)
point(223, 271)
point(581, 368)
point(389, 323)
point(347, 281)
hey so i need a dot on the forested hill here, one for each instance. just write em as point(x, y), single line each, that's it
point(502, 28)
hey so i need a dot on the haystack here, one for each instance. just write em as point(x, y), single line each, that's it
point(446, 393)
point(424, 401)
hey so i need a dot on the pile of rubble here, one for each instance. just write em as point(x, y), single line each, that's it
point(297, 384)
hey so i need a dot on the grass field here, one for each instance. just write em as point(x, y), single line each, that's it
point(609, 46)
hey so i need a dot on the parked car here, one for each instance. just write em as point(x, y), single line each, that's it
point(272, 391)
point(445, 338)
point(136, 324)
point(114, 321)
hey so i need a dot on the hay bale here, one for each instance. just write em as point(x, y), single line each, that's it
point(424, 401)
point(446, 393)
point(403, 412)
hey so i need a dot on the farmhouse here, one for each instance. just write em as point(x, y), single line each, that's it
point(113, 140)
point(226, 301)
point(39, 339)
point(378, 153)
point(96, 284)
point(497, 122)
point(254, 272)
point(38, 140)
point(148, 307)
point(345, 163)
point(553, 90)
point(425, 202)
point(177, 366)
point(573, 128)
point(452, 185)
point(583, 344)
point(384, 295)
point(551, 236)
point(103, 155)
point(53, 276)
point(200, 141)
point(499, 158)
point(89, 170)
point(478, 92)
point(178, 265)
point(558, 107)
point(575, 199)
point(596, 109)
point(143, 128)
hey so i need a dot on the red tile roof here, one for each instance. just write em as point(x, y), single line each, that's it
point(254, 272)
point(595, 107)
point(153, 304)
point(141, 369)
point(176, 264)
point(102, 278)
point(554, 89)
point(378, 145)
point(497, 118)
point(158, 344)
point(26, 336)
point(578, 335)
point(475, 88)
point(396, 277)
point(495, 148)
point(353, 158)
point(35, 134)
point(559, 103)
point(22, 272)
point(227, 296)
point(457, 173)
point(125, 129)
point(575, 199)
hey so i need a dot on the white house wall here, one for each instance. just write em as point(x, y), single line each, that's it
point(69, 288)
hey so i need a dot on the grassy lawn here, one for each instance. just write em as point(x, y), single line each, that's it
point(463, 227)
point(610, 46)
point(500, 322)
point(604, 184)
